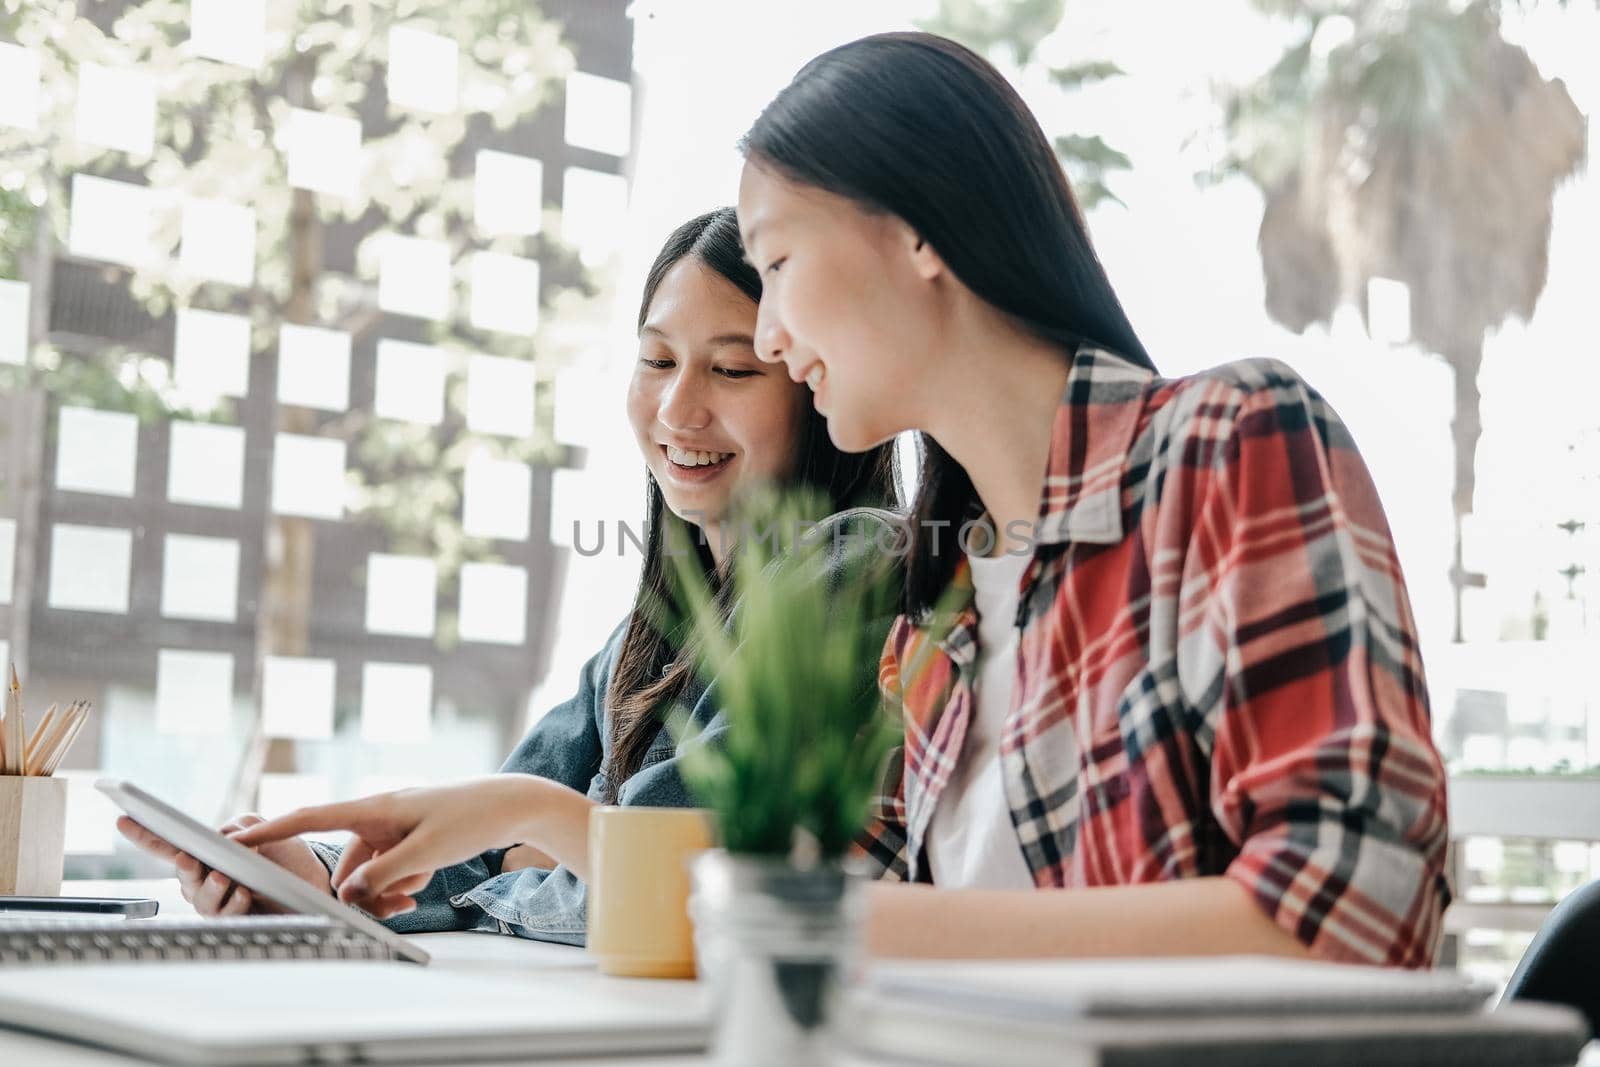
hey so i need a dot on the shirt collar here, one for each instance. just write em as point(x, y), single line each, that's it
point(1081, 499)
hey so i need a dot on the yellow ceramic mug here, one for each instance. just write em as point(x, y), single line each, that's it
point(639, 888)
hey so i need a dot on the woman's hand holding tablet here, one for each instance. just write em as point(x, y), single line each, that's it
point(214, 893)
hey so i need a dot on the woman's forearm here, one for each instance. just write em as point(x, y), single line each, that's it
point(1190, 917)
point(554, 820)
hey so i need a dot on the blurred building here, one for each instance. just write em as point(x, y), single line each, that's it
point(190, 608)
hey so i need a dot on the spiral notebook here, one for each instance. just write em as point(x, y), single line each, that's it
point(265, 937)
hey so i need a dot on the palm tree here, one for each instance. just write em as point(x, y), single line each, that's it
point(1411, 143)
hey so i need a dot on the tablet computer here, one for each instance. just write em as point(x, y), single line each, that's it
point(248, 867)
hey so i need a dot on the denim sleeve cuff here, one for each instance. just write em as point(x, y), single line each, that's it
point(534, 903)
point(328, 854)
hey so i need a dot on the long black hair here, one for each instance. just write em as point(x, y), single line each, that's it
point(920, 127)
point(653, 668)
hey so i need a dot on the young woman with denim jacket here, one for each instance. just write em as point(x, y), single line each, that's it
point(711, 420)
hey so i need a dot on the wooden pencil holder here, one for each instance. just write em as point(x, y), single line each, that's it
point(33, 835)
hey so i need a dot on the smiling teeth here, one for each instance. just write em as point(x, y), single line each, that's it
point(695, 459)
point(814, 377)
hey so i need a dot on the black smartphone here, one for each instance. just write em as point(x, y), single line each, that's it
point(127, 907)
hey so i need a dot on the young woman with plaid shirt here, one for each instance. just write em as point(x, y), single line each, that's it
point(1156, 655)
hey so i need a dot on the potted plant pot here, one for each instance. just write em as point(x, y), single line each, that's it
point(775, 944)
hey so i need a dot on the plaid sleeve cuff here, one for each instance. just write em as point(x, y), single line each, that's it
point(1356, 875)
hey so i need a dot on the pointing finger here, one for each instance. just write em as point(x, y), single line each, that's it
point(349, 815)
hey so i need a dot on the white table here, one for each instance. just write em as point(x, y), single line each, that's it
point(529, 963)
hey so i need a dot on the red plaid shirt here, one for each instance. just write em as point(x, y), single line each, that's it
point(1217, 668)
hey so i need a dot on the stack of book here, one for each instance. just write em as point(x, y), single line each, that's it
point(1236, 1011)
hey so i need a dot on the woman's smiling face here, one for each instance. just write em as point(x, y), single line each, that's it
point(846, 305)
point(711, 419)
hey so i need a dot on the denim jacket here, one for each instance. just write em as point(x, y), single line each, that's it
point(571, 744)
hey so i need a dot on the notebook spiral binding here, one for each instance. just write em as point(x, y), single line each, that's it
point(290, 937)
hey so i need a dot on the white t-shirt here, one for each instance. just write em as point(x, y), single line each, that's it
point(971, 841)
